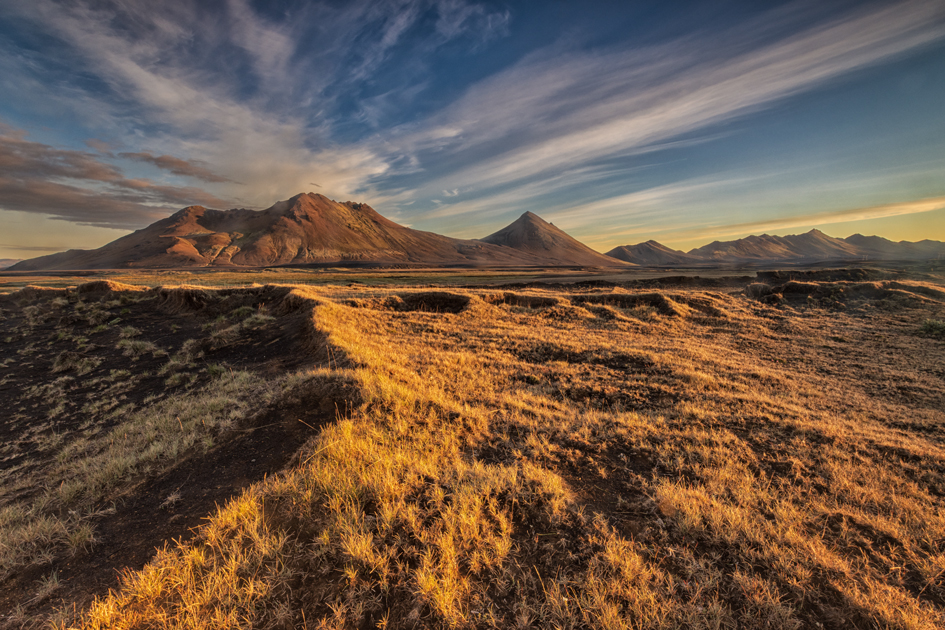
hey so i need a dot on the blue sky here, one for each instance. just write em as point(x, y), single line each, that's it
point(620, 122)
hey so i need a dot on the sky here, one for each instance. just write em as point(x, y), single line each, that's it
point(620, 122)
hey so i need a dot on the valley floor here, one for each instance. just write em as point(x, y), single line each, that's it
point(709, 453)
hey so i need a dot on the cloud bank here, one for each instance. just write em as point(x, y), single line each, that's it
point(177, 166)
point(77, 186)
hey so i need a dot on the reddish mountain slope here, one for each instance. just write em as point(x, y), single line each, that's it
point(307, 228)
point(533, 235)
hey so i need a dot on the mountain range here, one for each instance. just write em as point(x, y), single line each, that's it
point(811, 247)
point(311, 229)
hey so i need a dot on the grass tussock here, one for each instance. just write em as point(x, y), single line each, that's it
point(136, 348)
point(933, 328)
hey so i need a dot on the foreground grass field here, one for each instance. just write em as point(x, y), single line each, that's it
point(586, 456)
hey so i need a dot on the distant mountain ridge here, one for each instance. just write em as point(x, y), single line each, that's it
point(311, 228)
point(652, 253)
point(810, 247)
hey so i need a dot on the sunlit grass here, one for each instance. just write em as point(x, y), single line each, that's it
point(589, 461)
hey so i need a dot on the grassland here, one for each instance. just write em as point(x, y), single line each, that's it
point(318, 276)
point(580, 456)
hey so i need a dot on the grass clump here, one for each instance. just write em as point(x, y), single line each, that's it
point(129, 332)
point(136, 348)
point(259, 319)
point(242, 312)
point(69, 361)
point(933, 328)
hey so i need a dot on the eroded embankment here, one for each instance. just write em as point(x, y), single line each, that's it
point(846, 294)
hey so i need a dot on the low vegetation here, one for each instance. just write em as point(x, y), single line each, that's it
point(587, 457)
point(89, 420)
point(933, 328)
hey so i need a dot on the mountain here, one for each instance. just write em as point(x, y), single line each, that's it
point(308, 228)
point(814, 245)
point(879, 247)
point(811, 247)
point(652, 254)
point(8, 262)
point(533, 235)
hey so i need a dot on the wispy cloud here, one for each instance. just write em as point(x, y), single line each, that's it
point(826, 218)
point(554, 112)
point(177, 166)
point(101, 146)
point(31, 248)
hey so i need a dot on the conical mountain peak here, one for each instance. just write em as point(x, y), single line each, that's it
point(532, 234)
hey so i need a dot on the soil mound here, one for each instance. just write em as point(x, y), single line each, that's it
point(522, 300)
point(435, 302)
point(427, 301)
point(823, 275)
point(99, 288)
point(30, 294)
point(112, 354)
point(663, 304)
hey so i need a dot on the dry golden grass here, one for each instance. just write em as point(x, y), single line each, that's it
point(81, 436)
point(242, 277)
point(596, 458)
